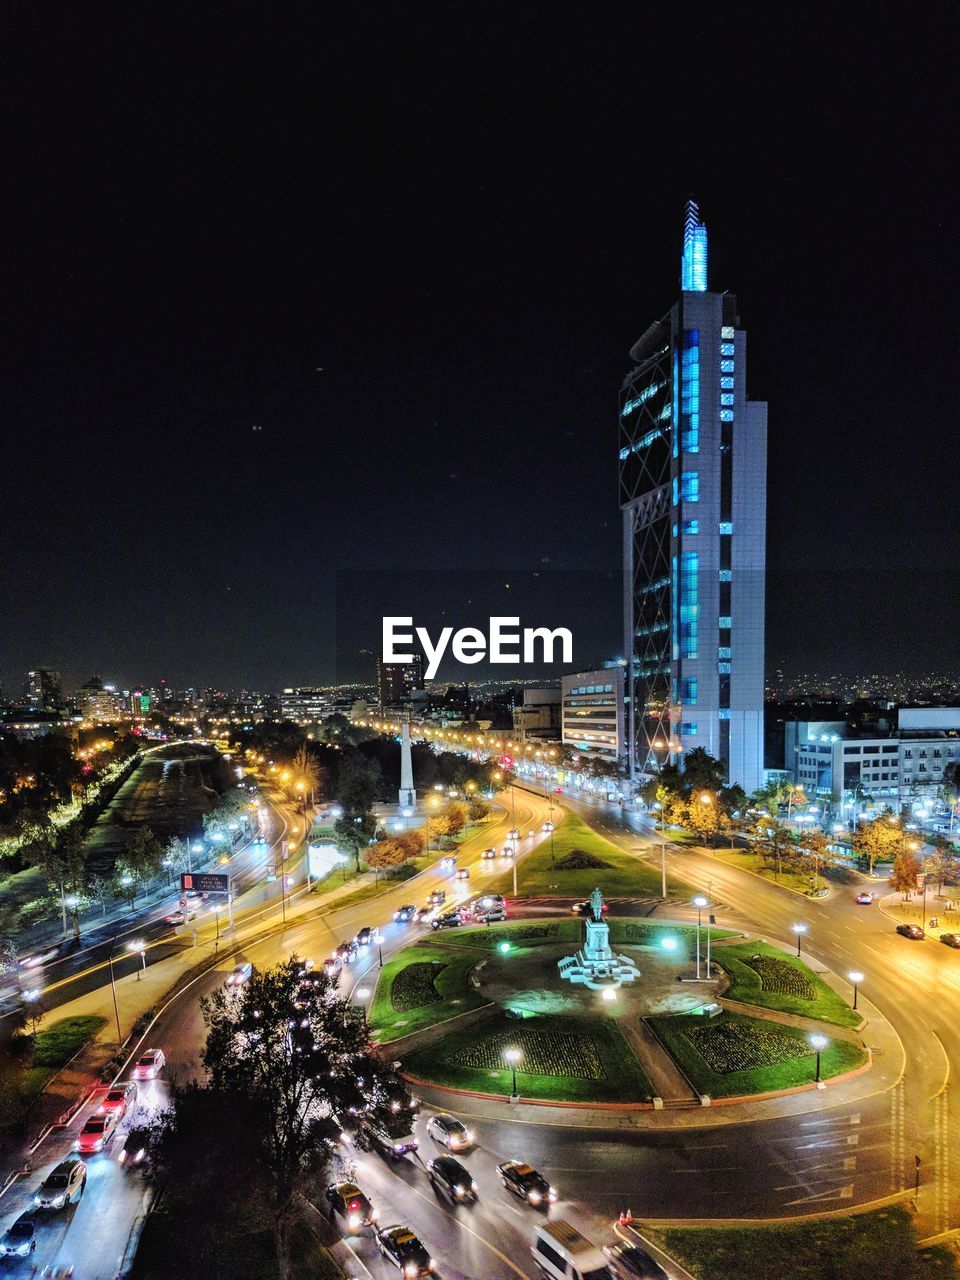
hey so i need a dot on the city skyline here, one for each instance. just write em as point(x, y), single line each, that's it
point(234, 434)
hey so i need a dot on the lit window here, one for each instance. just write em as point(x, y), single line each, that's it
point(688, 689)
point(726, 415)
point(688, 727)
point(691, 526)
point(727, 331)
point(724, 713)
point(726, 366)
point(726, 348)
point(723, 651)
point(723, 668)
point(726, 575)
point(726, 384)
point(724, 622)
point(690, 486)
point(726, 397)
point(726, 527)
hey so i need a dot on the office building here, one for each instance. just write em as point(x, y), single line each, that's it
point(592, 712)
point(305, 705)
point(398, 681)
point(693, 497)
point(95, 703)
point(42, 690)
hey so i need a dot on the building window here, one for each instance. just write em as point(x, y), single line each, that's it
point(690, 392)
point(688, 689)
point(726, 415)
point(690, 526)
point(726, 575)
point(726, 397)
point(727, 349)
point(726, 528)
point(689, 604)
point(726, 384)
point(726, 366)
point(723, 668)
point(690, 486)
point(688, 727)
point(727, 331)
point(724, 713)
point(724, 622)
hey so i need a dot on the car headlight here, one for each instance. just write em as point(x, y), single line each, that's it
point(398, 1148)
point(534, 1197)
point(354, 1221)
point(59, 1201)
point(551, 1194)
point(374, 1215)
point(411, 1269)
point(461, 1191)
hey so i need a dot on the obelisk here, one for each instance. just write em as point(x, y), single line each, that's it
point(408, 794)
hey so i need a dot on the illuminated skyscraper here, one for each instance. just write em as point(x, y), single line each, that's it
point(693, 457)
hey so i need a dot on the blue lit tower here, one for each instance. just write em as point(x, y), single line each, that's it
point(693, 457)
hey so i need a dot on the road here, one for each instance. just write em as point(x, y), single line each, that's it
point(716, 1168)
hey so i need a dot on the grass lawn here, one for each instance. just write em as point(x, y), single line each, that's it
point(565, 1058)
point(882, 1245)
point(402, 1004)
point(732, 1055)
point(780, 981)
point(751, 862)
point(54, 1047)
point(624, 876)
point(525, 933)
point(650, 933)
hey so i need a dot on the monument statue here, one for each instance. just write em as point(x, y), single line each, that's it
point(408, 794)
point(596, 904)
point(595, 965)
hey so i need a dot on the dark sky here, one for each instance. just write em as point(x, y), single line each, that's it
point(464, 215)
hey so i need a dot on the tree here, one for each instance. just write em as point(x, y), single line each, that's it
point(390, 852)
point(178, 855)
point(814, 852)
point(437, 827)
point(906, 868)
point(40, 849)
point(413, 841)
point(702, 817)
point(879, 840)
point(359, 784)
point(456, 816)
point(354, 833)
point(102, 891)
point(144, 855)
point(306, 775)
point(702, 772)
point(300, 1054)
point(477, 809)
point(772, 841)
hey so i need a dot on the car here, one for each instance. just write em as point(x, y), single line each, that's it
point(585, 908)
point(449, 1177)
point(435, 898)
point(507, 851)
point(449, 920)
point(346, 952)
point(630, 1262)
point(463, 874)
point(194, 895)
point(558, 791)
point(487, 855)
point(240, 976)
point(365, 936)
point(40, 957)
point(118, 1099)
point(20, 1240)
point(137, 1145)
point(448, 863)
point(514, 833)
point(547, 826)
point(96, 1133)
point(149, 1065)
point(448, 1130)
point(178, 917)
point(489, 908)
point(404, 914)
point(912, 931)
point(333, 967)
point(423, 914)
point(348, 1200)
point(951, 940)
point(526, 1184)
point(403, 1248)
point(864, 899)
point(391, 1146)
point(63, 1185)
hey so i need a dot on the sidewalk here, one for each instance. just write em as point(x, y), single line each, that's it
point(940, 908)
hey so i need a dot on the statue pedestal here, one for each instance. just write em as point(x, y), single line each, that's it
point(598, 941)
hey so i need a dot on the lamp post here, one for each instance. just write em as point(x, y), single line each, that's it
point(139, 948)
point(699, 902)
point(513, 1056)
point(799, 929)
point(113, 989)
point(819, 1043)
point(856, 978)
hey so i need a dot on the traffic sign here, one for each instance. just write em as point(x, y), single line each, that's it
point(204, 882)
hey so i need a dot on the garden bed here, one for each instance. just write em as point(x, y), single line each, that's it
point(733, 1055)
point(763, 975)
point(451, 992)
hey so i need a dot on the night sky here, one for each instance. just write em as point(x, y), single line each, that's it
point(289, 298)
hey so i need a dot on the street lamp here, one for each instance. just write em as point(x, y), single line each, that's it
point(819, 1043)
point(856, 978)
point(513, 1056)
point(799, 929)
point(139, 948)
point(700, 902)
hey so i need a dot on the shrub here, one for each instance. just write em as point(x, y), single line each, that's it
point(545, 1053)
point(580, 860)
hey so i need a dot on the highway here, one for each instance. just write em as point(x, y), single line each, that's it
point(709, 1165)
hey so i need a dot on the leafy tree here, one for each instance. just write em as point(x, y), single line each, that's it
point(354, 833)
point(41, 849)
point(359, 784)
point(102, 891)
point(878, 841)
point(703, 818)
point(733, 799)
point(300, 1053)
point(391, 852)
point(814, 853)
point(144, 855)
point(413, 841)
point(702, 772)
point(178, 855)
point(306, 774)
point(772, 841)
point(477, 809)
point(906, 868)
point(437, 827)
point(456, 817)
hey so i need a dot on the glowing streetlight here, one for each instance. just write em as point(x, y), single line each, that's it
point(512, 1057)
point(700, 902)
point(139, 948)
point(819, 1043)
point(856, 978)
point(799, 929)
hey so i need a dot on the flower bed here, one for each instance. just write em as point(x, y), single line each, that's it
point(413, 987)
point(737, 1046)
point(781, 977)
point(545, 1053)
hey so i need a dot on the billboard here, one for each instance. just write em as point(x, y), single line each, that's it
point(204, 882)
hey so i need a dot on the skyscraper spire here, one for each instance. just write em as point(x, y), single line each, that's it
point(693, 269)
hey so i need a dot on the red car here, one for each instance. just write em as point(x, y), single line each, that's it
point(119, 1099)
point(149, 1065)
point(864, 899)
point(96, 1133)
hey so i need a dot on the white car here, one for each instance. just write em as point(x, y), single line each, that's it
point(149, 1065)
point(449, 1131)
point(240, 975)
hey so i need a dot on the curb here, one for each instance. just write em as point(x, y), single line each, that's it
point(869, 1206)
point(528, 1102)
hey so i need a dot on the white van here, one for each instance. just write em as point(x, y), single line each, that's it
point(562, 1253)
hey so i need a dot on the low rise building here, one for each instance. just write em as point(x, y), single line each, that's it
point(592, 712)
